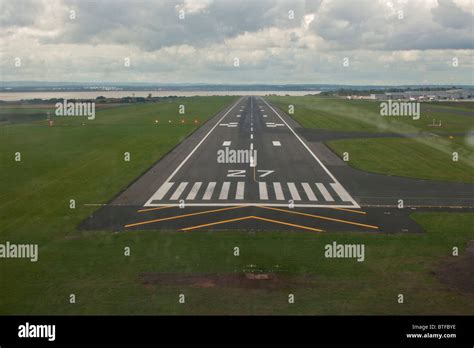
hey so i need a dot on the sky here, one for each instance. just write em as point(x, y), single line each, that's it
point(356, 42)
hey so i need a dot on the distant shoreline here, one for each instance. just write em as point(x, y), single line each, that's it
point(17, 96)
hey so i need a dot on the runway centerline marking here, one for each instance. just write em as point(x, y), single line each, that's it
point(212, 192)
point(202, 140)
point(310, 151)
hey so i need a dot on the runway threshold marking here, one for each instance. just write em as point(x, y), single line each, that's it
point(309, 150)
point(251, 217)
point(167, 181)
point(181, 216)
point(320, 217)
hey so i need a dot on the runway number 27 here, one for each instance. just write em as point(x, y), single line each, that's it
point(241, 173)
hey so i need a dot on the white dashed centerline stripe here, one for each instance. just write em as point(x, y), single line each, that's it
point(199, 144)
point(309, 192)
point(226, 143)
point(194, 190)
point(327, 196)
point(179, 191)
point(225, 190)
point(341, 192)
point(294, 191)
point(262, 188)
point(209, 190)
point(309, 150)
point(240, 190)
point(276, 143)
point(278, 191)
point(251, 136)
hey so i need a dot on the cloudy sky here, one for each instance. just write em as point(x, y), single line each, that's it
point(191, 41)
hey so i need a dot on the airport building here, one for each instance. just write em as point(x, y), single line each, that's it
point(453, 94)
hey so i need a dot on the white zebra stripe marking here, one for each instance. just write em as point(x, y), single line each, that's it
point(309, 192)
point(278, 191)
point(194, 190)
point(327, 196)
point(209, 190)
point(240, 190)
point(294, 191)
point(162, 191)
point(225, 190)
point(262, 188)
point(342, 193)
point(179, 191)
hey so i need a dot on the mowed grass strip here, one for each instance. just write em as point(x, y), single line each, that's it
point(94, 268)
point(409, 157)
point(364, 115)
point(83, 160)
point(424, 157)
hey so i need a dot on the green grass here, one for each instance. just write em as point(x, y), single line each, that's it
point(72, 160)
point(364, 115)
point(84, 160)
point(416, 158)
point(93, 267)
point(421, 157)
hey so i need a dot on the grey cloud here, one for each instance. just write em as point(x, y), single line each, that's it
point(153, 25)
point(20, 13)
point(449, 15)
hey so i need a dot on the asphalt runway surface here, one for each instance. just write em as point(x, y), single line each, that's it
point(285, 179)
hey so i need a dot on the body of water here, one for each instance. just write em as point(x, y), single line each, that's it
point(15, 96)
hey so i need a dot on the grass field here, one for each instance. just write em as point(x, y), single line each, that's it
point(427, 157)
point(364, 115)
point(92, 266)
point(85, 162)
point(408, 157)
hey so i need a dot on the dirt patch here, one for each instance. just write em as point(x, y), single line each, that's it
point(458, 272)
point(269, 281)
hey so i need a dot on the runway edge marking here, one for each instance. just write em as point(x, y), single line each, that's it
point(148, 203)
point(356, 205)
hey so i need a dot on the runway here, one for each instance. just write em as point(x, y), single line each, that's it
point(289, 180)
point(284, 172)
